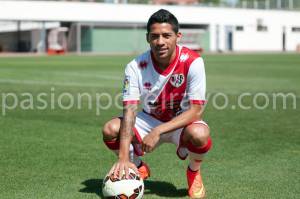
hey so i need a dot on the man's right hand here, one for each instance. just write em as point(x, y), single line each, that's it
point(120, 166)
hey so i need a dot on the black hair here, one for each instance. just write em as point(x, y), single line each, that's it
point(163, 16)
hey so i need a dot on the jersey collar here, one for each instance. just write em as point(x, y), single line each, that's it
point(169, 68)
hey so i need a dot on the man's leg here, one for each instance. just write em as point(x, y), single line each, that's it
point(111, 132)
point(196, 138)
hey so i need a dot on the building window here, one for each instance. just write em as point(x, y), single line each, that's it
point(239, 28)
point(261, 28)
point(295, 29)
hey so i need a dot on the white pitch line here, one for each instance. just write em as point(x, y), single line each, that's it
point(72, 84)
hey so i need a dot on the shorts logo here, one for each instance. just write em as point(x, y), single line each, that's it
point(177, 80)
point(126, 85)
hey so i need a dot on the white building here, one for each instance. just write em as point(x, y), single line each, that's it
point(214, 29)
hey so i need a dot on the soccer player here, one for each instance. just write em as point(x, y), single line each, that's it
point(169, 82)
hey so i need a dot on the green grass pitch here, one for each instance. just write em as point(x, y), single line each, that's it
point(48, 152)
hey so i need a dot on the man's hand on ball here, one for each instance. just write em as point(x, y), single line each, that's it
point(120, 166)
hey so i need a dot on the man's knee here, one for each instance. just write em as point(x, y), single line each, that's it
point(198, 141)
point(111, 129)
point(198, 134)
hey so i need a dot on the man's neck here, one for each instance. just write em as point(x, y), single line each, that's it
point(163, 64)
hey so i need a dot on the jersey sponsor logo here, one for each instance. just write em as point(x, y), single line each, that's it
point(143, 64)
point(147, 85)
point(177, 80)
point(184, 57)
point(165, 110)
point(126, 85)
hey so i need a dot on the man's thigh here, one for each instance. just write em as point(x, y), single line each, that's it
point(145, 123)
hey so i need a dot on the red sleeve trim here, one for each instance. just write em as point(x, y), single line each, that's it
point(131, 102)
point(200, 102)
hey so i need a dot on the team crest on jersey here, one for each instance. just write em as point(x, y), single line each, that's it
point(177, 80)
point(126, 85)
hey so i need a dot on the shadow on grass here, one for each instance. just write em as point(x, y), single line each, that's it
point(93, 186)
point(162, 189)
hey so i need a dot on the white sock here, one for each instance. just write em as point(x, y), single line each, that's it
point(194, 166)
point(134, 158)
point(195, 161)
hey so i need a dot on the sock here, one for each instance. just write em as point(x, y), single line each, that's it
point(134, 158)
point(194, 165)
point(196, 154)
point(141, 163)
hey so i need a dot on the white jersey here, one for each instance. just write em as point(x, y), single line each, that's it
point(165, 94)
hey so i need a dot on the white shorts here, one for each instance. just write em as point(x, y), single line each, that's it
point(145, 123)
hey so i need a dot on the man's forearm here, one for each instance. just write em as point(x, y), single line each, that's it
point(126, 134)
point(182, 120)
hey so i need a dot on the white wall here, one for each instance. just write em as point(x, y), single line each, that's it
point(212, 37)
point(222, 38)
point(252, 40)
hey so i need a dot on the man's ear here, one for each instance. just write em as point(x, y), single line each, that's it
point(147, 37)
point(179, 36)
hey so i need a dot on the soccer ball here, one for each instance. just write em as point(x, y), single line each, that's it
point(131, 188)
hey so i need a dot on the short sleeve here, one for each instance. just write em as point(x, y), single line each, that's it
point(131, 91)
point(196, 86)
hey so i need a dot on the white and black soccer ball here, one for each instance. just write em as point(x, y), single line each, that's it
point(131, 188)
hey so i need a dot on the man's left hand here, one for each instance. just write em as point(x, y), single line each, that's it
point(150, 140)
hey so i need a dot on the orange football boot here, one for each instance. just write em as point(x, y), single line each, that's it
point(144, 171)
point(196, 188)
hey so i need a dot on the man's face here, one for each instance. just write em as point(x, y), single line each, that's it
point(162, 40)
